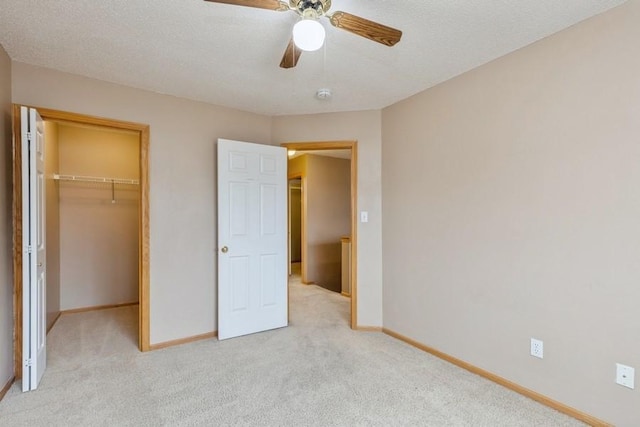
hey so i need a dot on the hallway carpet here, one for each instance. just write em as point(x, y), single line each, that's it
point(316, 372)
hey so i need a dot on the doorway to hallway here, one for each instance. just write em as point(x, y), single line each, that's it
point(350, 147)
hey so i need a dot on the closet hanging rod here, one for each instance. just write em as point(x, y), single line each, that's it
point(101, 179)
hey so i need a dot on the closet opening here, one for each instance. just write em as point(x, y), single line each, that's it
point(97, 225)
point(92, 236)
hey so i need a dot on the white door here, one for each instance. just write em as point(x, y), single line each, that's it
point(34, 329)
point(252, 238)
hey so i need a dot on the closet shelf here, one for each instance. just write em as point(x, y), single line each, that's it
point(100, 179)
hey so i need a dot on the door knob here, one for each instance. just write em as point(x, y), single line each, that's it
point(39, 264)
point(224, 249)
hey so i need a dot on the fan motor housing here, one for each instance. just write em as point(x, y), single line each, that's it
point(320, 6)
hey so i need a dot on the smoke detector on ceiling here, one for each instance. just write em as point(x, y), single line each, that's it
point(323, 94)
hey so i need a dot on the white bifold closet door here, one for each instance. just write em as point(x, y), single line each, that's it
point(34, 310)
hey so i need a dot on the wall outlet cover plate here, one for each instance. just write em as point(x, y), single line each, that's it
point(537, 348)
point(625, 375)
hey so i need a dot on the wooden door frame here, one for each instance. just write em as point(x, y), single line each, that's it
point(143, 221)
point(335, 145)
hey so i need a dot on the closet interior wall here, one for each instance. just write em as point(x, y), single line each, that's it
point(98, 222)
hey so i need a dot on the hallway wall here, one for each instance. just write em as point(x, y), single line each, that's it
point(328, 218)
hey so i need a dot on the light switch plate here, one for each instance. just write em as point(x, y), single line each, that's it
point(364, 216)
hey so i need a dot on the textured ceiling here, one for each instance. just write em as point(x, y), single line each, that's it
point(229, 55)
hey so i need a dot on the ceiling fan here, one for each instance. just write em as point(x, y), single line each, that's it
point(308, 33)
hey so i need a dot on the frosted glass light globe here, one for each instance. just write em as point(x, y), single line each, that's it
point(308, 34)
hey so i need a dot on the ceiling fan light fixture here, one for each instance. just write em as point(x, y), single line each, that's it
point(308, 34)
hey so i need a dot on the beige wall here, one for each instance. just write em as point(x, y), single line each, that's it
point(182, 183)
point(52, 211)
point(328, 194)
point(99, 151)
point(512, 210)
point(98, 238)
point(364, 127)
point(6, 240)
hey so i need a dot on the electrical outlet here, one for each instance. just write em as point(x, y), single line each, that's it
point(625, 375)
point(537, 348)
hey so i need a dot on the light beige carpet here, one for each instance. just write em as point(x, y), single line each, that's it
point(316, 372)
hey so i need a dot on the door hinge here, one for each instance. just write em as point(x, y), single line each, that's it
point(28, 363)
point(29, 249)
point(29, 136)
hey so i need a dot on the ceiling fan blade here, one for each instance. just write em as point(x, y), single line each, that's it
point(261, 4)
point(291, 55)
point(363, 27)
